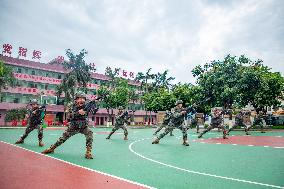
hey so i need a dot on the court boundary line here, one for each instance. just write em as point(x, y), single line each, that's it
point(196, 172)
point(89, 169)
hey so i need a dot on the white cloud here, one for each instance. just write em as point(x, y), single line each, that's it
point(136, 35)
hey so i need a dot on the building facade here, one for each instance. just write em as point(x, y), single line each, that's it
point(39, 80)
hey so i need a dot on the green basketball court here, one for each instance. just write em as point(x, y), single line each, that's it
point(255, 161)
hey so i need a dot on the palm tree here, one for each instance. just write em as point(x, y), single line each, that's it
point(144, 79)
point(77, 77)
point(162, 81)
point(113, 75)
point(113, 83)
point(133, 97)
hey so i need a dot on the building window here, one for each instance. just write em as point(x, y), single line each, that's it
point(33, 72)
point(47, 75)
point(46, 86)
point(18, 84)
point(32, 85)
point(16, 100)
point(19, 70)
point(3, 99)
point(59, 76)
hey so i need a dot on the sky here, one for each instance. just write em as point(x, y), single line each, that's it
point(135, 35)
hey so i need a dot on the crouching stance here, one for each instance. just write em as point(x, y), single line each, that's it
point(239, 121)
point(121, 120)
point(176, 121)
point(77, 116)
point(35, 117)
point(216, 122)
point(166, 121)
point(259, 120)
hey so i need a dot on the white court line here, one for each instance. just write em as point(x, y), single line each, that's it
point(250, 145)
point(196, 172)
point(278, 147)
point(106, 174)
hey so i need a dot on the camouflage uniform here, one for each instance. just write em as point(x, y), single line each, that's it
point(240, 122)
point(216, 122)
point(165, 123)
point(120, 122)
point(258, 120)
point(78, 124)
point(176, 121)
point(34, 123)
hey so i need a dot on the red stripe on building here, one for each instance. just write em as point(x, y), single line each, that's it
point(24, 169)
point(249, 140)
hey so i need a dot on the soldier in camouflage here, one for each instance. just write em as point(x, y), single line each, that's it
point(239, 121)
point(121, 119)
point(216, 122)
point(166, 120)
point(259, 119)
point(176, 121)
point(35, 121)
point(78, 124)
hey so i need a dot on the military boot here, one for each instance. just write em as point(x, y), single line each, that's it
point(125, 137)
point(224, 135)
point(49, 150)
point(20, 141)
point(185, 142)
point(156, 141)
point(40, 144)
point(89, 153)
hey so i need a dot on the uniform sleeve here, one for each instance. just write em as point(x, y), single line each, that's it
point(72, 113)
point(175, 114)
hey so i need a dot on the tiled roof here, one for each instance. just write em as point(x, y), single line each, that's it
point(51, 67)
point(33, 64)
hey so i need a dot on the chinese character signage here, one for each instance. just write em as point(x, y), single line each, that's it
point(22, 52)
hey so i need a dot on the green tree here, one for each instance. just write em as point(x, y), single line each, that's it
point(118, 96)
point(16, 114)
point(78, 76)
point(265, 87)
point(161, 80)
point(113, 75)
point(238, 81)
point(6, 76)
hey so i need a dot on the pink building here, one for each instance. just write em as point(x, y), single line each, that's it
point(39, 80)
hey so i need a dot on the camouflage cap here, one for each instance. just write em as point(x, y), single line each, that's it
point(34, 101)
point(178, 102)
point(80, 94)
point(120, 108)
